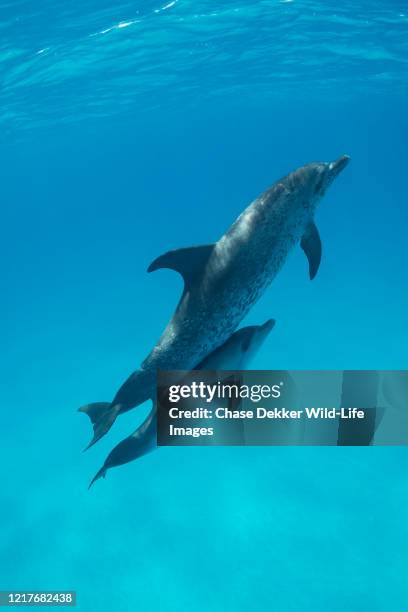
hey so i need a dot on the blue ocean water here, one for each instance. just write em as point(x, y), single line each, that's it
point(131, 128)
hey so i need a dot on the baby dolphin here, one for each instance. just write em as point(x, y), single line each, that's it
point(222, 281)
point(234, 354)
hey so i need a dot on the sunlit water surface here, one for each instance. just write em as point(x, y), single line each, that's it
point(131, 128)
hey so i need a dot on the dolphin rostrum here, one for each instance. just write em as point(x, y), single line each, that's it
point(234, 354)
point(223, 280)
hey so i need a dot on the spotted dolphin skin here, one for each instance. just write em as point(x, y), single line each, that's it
point(222, 281)
point(234, 354)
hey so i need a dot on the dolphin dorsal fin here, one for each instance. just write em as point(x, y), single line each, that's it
point(312, 246)
point(189, 261)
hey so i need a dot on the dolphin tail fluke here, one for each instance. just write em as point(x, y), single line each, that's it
point(102, 415)
point(100, 474)
point(95, 411)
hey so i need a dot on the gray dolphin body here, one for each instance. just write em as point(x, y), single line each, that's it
point(234, 354)
point(223, 280)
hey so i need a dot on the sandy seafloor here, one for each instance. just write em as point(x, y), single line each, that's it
point(131, 130)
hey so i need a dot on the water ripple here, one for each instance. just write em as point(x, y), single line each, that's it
point(62, 61)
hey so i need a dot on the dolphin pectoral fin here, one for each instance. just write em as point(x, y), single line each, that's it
point(312, 246)
point(189, 262)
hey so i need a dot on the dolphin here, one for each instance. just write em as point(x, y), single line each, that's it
point(223, 280)
point(234, 354)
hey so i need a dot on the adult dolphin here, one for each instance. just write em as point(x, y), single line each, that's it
point(234, 354)
point(223, 280)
